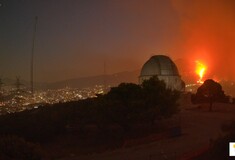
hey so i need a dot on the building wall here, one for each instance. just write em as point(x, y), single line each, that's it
point(172, 82)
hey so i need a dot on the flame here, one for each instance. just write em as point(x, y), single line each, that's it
point(200, 71)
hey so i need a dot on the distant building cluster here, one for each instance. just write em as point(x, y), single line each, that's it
point(18, 100)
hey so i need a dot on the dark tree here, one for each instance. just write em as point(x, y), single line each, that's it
point(129, 104)
point(121, 104)
point(210, 91)
point(159, 100)
point(125, 92)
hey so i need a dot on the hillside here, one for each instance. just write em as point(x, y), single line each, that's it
point(80, 82)
point(111, 79)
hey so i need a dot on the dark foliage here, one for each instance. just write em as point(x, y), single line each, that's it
point(129, 104)
point(161, 101)
point(209, 92)
point(35, 125)
point(15, 148)
point(101, 118)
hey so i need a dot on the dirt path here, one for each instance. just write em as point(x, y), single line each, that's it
point(199, 127)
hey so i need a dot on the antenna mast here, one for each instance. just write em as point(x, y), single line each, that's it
point(18, 84)
point(1, 84)
point(104, 75)
point(32, 56)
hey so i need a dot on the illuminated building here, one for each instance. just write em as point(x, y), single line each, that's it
point(165, 69)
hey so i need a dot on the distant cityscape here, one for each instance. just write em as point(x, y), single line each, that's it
point(18, 97)
point(17, 100)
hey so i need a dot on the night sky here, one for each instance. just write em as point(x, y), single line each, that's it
point(75, 37)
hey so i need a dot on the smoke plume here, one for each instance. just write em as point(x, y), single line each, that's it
point(208, 27)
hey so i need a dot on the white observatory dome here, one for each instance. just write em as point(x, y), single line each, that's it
point(165, 69)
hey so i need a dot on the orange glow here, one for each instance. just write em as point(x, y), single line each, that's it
point(200, 71)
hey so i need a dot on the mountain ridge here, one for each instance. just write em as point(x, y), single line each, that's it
point(80, 82)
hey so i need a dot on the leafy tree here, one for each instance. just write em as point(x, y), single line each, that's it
point(125, 92)
point(120, 104)
point(159, 100)
point(210, 91)
point(130, 103)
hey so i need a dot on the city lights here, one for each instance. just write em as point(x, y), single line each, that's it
point(16, 101)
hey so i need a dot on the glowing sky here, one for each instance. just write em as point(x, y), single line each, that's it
point(75, 37)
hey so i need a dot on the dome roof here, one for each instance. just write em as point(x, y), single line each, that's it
point(160, 65)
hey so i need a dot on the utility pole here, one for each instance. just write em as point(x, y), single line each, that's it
point(104, 75)
point(1, 84)
point(18, 84)
point(32, 57)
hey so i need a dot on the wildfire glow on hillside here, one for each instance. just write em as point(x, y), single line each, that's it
point(200, 71)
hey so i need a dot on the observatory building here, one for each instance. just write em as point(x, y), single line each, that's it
point(165, 69)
